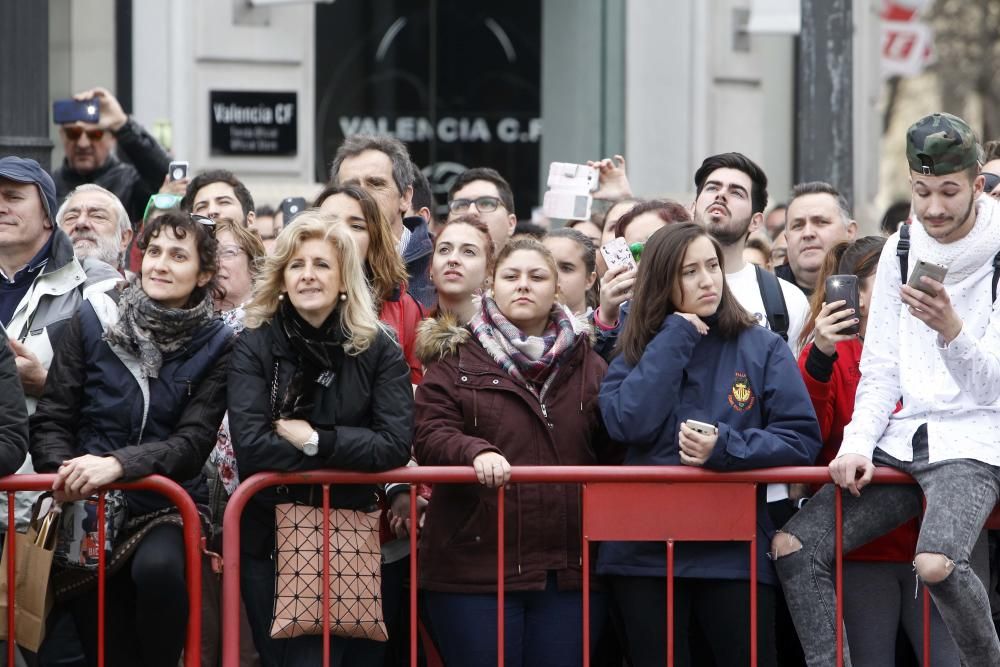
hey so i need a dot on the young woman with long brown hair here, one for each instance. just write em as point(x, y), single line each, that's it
point(690, 352)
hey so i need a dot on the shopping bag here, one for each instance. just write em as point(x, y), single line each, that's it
point(32, 590)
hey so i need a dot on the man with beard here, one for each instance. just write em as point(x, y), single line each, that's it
point(96, 223)
point(731, 196)
point(934, 349)
point(219, 195)
point(818, 218)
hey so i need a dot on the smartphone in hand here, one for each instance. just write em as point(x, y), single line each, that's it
point(617, 253)
point(845, 288)
point(72, 111)
point(929, 269)
point(702, 427)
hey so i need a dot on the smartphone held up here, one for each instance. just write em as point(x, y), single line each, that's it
point(568, 196)
point(845, 288)
point(73, 111)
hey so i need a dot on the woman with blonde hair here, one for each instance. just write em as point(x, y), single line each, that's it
point(316, 382)
point(353, 207)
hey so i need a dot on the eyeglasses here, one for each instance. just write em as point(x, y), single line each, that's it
point(483, 204)
point(161, 202)
point(230, 251)
point(74, 132)
point(207, 222)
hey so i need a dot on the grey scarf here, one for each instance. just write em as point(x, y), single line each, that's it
point(150, 330)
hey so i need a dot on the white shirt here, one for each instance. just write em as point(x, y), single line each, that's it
point(954, 388)
point(743, 285)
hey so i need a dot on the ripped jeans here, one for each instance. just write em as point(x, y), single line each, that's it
point(960, 495)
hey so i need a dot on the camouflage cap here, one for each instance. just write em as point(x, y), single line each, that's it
point(941, 144)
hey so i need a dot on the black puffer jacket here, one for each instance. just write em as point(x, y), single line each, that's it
point(364, 420)
point(13, 413)
point(132, 183)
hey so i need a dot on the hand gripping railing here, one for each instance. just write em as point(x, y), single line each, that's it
point(602, 486)
point(192, 553)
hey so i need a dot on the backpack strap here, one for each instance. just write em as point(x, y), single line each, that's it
point(774, 302)
point(996, 275)
point(903, 252)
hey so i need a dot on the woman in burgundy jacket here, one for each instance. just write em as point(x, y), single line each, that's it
point(517, 386)
point(878, 579)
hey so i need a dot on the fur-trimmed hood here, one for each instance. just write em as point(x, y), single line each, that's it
point(438, 337)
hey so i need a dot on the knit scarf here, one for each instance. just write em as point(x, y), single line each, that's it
point(319, 353)
point(150, 330)
point(530, 359)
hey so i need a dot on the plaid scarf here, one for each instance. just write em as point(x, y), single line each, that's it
point(150, 330)
point(530, 359)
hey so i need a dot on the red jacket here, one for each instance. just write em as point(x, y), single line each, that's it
point(403, 314)
point(834, 404)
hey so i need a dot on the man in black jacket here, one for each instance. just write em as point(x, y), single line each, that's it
point(90, 156)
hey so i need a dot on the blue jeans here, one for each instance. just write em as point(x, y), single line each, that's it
point(959, 493)
point(542, 628)
point(257, 586)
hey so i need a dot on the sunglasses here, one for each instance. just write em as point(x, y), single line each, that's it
point(483, 204)
point(74, 132)
point(161, 202)
point(208, 223)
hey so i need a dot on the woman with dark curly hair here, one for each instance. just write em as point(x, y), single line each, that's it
point(136, 388)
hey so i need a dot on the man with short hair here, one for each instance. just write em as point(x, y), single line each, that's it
point(774, 221)
point(96, 223)
point(381, 165)
point(90, 155)
point(731, 196)
point(934, 349)
point(422, 203)
point(817, 219)
point(485, 194)
point(41, 282)
point(219, 195)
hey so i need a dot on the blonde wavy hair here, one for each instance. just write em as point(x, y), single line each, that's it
point(384, 264)
point(357, 314)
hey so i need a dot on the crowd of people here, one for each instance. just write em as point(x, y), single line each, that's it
point(159, 326)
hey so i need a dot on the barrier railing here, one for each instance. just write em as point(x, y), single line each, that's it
point(601, 485)
point(192, 551)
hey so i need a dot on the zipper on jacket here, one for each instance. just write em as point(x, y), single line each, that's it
point(545, 413)
point(189, 388)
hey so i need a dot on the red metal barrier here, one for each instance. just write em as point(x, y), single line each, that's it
point(602, 482)
point(192, 551)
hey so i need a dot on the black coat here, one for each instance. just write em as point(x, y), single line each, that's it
point(92, 404)
point(13, 413)
point(364, 420)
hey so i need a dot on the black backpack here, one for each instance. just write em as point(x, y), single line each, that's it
point(903, 253)
point(774, 302)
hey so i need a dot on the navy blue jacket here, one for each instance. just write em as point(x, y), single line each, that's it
point(93, 404)
point(417, 256)
point(750, 387)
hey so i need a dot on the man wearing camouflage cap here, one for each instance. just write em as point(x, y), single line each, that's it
point(936, 349)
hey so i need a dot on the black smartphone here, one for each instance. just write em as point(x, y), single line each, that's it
point(291, 207)
point(71, 111)
point(845, 288)
point(177, 170)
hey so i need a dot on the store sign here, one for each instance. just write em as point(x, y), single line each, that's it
point(253, 123)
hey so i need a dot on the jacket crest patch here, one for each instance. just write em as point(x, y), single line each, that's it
point(741, 396)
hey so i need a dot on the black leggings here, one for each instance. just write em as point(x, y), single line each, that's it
point(146, 606)
point(719, 608)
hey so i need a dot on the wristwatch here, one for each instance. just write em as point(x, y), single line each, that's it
point(311, 446)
